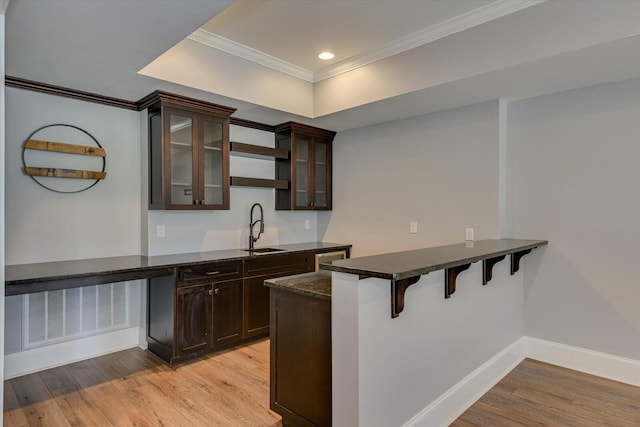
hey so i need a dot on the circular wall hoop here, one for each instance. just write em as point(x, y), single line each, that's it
point(30, 137)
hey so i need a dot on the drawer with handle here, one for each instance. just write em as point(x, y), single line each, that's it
point(210, 272)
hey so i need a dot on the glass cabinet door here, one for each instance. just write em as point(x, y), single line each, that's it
point(181, 158)
point(302, 196)
point(212, 162)
point(321, 184)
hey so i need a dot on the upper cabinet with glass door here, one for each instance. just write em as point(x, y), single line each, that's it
point(188, 153)
point(308, 168)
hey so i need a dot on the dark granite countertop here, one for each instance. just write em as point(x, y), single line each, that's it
point(316, 284)
point(402, 265)
point(26, 278)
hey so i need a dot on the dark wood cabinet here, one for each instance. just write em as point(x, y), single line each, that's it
point(308, 168)
point(300, 359)
point(188, 153)
point(227, 312)
point(194, 307)
point(215, 305)
point(256, 295)
point(202, 304)
point(208, 316)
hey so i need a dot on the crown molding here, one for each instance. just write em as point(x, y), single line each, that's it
point(430, 34)
point(494, 10)
point(250, 54)
point(49, 89)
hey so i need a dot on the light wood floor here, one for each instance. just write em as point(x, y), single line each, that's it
point(131, 388)
point(539, 394)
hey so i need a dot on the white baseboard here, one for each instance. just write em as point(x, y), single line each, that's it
point(441, 412)
point(583, 360)
point(449, 406)
point(51, 356)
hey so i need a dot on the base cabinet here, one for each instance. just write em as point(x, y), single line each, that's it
point(300, 359)
point(197, 310)
point(256, 295)
point(257, 306)
point(227, 312)
point(213, 306)
point(194, 307)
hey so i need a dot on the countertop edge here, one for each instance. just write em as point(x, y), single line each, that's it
point(287, 249)
point(399, 275)
point(320, 283)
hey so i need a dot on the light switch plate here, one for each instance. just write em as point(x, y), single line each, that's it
point(413, 227)
point(468, 234)
point(160, 231)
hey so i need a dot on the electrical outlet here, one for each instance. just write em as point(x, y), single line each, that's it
point(413, 227)
point(307, 224)
point(468, 234)
point(160, 232)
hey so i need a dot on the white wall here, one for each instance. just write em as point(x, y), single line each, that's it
point(573, 179)
point(45, 226)
point(3, 8)
point(440, 170)
point(100, 222)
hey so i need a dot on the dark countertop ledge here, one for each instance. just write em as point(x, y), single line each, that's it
point(406, 264)
point(316, 284)
point(133, 266)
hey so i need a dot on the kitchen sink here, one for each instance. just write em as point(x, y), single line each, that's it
point(262, 250)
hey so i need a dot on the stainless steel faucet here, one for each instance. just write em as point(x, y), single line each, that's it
point(253, 223)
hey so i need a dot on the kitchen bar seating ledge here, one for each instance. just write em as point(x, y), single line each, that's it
point(404, 269)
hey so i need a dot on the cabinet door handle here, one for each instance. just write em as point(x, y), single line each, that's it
point(211, 273)
point(210, 292)
point(216, 291)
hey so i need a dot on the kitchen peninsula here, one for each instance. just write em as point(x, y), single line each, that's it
point(436, 341)
point(404, 269)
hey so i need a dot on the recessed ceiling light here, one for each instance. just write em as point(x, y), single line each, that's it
point(326, 55)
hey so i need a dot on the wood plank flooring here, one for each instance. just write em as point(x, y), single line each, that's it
point(132, 388)
point(539, 394)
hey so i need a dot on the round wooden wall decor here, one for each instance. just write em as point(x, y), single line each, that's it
point(61, 151)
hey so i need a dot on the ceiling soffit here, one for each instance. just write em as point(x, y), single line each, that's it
point(430, 34)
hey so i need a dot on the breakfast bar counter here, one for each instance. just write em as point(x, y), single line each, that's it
point(404, 269)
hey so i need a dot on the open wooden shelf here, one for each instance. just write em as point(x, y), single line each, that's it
point(256, 151)
point(240, 181)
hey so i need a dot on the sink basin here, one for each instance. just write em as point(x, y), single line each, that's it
point(262, 250)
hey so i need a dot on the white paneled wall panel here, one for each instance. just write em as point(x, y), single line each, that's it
point(56, 316)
